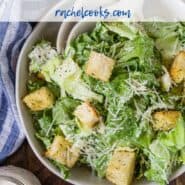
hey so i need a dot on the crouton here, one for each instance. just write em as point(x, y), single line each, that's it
point(178, 68)
point(121, 167)
point(165, 120)
point(87, 115)
point(99, 66)
point(40, 76)
point(62, 151)
point(40, 99)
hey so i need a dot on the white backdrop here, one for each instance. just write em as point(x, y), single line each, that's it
point(142, 10)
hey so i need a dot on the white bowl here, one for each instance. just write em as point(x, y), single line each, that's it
point(80, 176)
point(63, 33)
point(70, 30)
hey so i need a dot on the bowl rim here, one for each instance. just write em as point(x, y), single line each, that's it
point(65, 27)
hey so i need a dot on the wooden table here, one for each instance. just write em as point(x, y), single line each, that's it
point(25, 158)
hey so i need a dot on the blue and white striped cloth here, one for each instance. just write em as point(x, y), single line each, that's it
point(12, 37)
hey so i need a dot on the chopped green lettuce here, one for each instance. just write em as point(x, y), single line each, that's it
point(174, 139)
point(127, 30)
point(160, 163)
point(41, 53)
point(139, 54)
point(169, 37)
point(182, 156)
point(64, 171)
point(49, 68)
point(67, 76)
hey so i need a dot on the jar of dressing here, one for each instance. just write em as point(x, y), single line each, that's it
point(11, 175)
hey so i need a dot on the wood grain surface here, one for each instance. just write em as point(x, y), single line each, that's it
point(25, 158)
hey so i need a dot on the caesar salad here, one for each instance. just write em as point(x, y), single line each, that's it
point(113, 101)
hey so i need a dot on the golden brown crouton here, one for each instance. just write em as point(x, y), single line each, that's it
point(99, 66)
point(178, 68)
point(165, 120)
point(40, 99)
point(121, 167)
point(40, 76)
point(62, 152)
point(87, 115)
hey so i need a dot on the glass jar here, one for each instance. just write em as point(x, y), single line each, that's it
point(11, 175)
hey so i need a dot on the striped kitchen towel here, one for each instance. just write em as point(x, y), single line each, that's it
point(12, 37)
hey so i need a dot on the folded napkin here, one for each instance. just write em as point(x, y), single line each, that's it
point(12, 37)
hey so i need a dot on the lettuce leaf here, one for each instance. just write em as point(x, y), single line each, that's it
point(140, 54)
point(169, 37)
point(182, 156)
point(127, 30)
point(41, 53)
point(174, 139)
point(49, 68)
point(68, 77)
point(64, 171)
point(164, 152)
point(161, 163)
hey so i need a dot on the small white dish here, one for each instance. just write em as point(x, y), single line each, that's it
point(62, 37)
point(79, 28)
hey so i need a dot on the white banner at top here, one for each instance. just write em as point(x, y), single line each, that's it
point(92, 10)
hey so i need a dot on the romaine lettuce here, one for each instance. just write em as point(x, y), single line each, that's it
point(67, 76)
point(127, 30)
point(163, 153)
point(169, 37)
point(41, 53)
